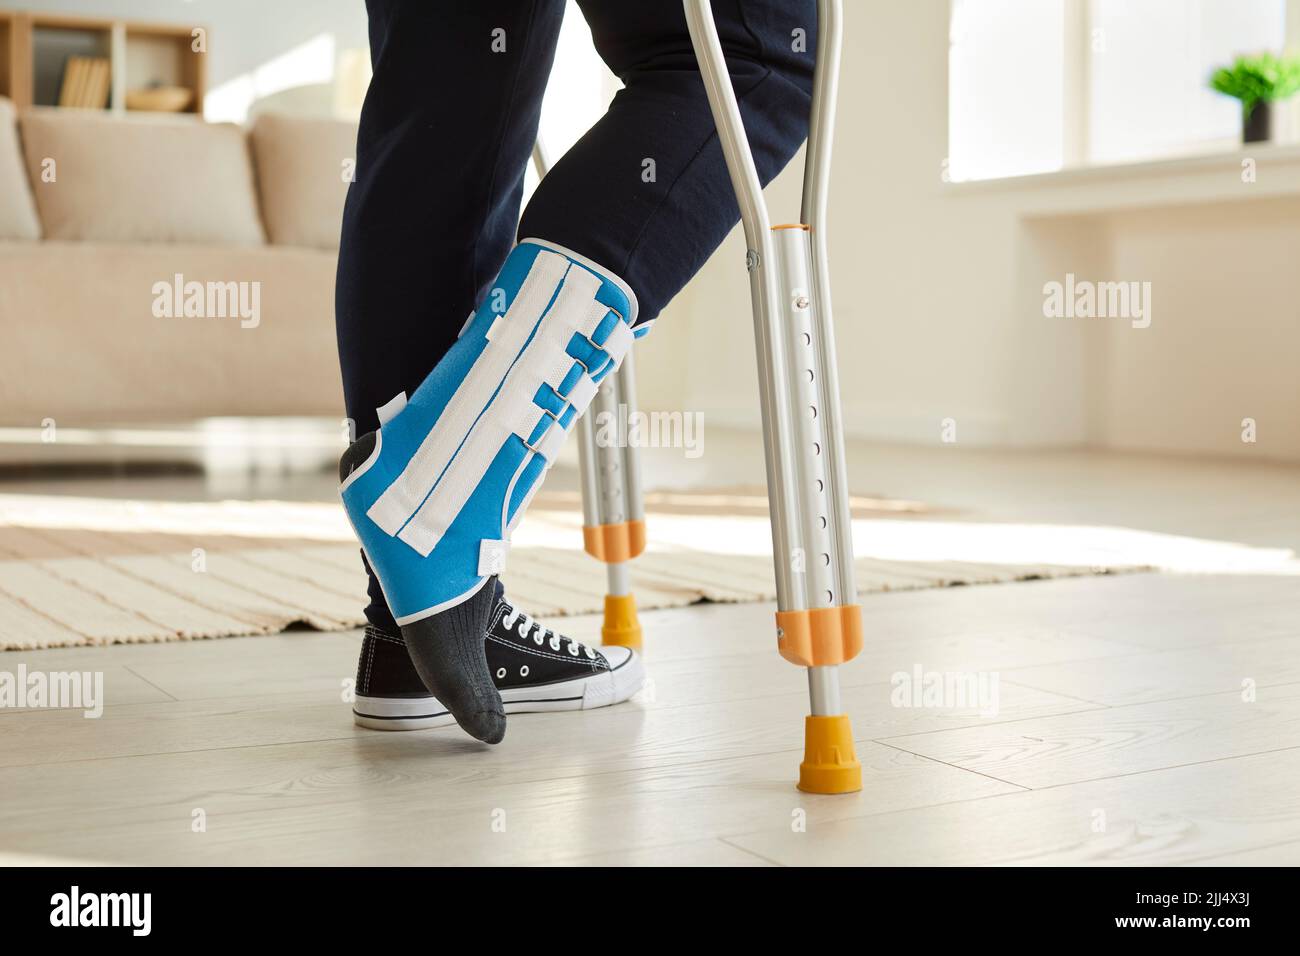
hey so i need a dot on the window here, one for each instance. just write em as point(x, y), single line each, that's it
point(1005, 87)
point(1150, 68)
point(578, 92)
point(1040, 85)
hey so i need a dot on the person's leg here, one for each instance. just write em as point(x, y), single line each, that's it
point(646, 192)
point(433, 495)
point(444, 140)
point(446, 131)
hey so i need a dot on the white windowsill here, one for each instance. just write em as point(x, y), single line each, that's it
point(1201, 177)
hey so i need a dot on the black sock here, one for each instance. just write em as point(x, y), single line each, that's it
point(448, 649)
point(450, 655)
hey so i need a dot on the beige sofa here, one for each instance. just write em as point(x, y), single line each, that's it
point(99, 215)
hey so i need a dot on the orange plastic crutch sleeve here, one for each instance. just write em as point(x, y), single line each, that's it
point(821, 636)
point(613, 543)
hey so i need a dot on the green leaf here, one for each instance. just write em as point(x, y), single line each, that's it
point(1256, 78)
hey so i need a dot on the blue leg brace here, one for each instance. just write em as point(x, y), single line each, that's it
point(454, 467)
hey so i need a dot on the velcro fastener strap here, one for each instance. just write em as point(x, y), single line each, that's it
point(560, 369)
point(514, 400)
point(492, 556)
point(594, 316)
point(551, 442)
point(529, 419)
point(407, 493)
point(582, 393)
point(388, 411)
point(620, 339)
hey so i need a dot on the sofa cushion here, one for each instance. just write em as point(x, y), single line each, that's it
point(141, 179)
point(102, 346)
point(301, 167)
point(17, 214)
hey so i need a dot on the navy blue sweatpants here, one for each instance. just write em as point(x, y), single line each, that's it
point(446, 133)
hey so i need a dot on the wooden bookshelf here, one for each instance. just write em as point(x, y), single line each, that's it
point(35, 49)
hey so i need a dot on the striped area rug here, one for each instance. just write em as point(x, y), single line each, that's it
point(83, 571)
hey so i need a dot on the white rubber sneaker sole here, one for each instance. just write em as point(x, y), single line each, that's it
point(585, 693)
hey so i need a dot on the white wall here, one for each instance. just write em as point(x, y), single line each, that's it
point(938, 287)
point(921, 328)
point(1225, 344)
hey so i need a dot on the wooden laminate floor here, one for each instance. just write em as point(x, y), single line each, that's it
point(1139, 719)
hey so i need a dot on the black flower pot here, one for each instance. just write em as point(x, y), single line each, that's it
point(1257, 127)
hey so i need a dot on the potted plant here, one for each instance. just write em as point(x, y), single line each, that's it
point(1258, 80)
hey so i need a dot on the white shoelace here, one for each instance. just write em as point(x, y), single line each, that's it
point(538, 633)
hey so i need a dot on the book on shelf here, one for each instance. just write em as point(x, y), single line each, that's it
point(86, 81)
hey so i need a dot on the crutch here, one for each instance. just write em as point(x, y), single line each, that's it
point(613, 510)
point(818, 619)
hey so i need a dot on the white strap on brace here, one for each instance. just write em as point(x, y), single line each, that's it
point(582, 393)
point(465, 325)
point(552, 440)
point(512, 412)
point(619, 341)
point(401, 499)
point(390, 409)
point(492, 556)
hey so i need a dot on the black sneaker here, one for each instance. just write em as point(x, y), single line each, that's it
point(535, 669)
